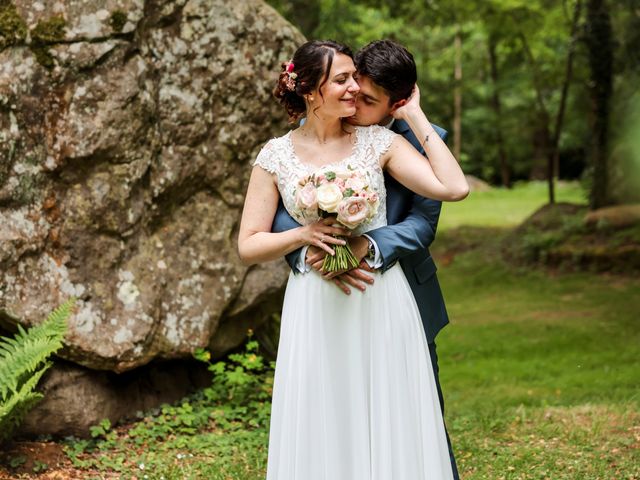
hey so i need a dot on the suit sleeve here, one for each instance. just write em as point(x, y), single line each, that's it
point(417, 231)
point(281, 223)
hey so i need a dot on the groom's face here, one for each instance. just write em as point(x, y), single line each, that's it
point(372, 104)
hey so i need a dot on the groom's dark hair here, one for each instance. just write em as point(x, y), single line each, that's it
point(389, 65)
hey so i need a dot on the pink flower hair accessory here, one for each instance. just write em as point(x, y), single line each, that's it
point(290, 83)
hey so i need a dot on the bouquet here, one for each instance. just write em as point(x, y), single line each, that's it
point(344, 193)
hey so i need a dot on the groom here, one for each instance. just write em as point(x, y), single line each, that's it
point(386, 75)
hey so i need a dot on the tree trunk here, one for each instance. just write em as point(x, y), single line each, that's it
point(565, 90)
point(457, 96)
point(541, 140)
point(505, 173)
point(543, 133)
point(599, 43)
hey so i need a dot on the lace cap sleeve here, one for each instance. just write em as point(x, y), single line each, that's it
point(267, 158)
point(381, 139)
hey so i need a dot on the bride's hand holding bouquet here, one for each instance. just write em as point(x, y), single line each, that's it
point(343, 198)
point(323, 233)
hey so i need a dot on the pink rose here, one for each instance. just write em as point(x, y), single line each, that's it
point(374, 202)
point(306, 197)
point(352, 211)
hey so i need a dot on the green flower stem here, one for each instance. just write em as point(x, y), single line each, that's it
point(343, 259)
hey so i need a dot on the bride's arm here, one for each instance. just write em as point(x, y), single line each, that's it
point(440, 177)
point(256, 243)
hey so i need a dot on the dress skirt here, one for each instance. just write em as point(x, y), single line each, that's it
point(354, 394)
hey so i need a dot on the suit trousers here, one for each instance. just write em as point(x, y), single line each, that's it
point(434, 363)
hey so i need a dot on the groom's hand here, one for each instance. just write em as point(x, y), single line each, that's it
point(356, 278)
point(405, 109)
point(344, 279)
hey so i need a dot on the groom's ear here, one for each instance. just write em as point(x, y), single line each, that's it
point(397, 105)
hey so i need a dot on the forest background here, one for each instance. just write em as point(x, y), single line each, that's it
point(524, 87)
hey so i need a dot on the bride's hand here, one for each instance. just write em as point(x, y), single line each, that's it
point(321, 233)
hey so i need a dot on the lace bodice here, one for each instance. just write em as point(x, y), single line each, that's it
point(278, 158)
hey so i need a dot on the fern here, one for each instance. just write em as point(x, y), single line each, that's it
point(23, 360)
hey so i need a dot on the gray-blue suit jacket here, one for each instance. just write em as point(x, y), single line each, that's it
point(412, 221)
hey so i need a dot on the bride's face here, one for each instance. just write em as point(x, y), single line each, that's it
point(339, 92)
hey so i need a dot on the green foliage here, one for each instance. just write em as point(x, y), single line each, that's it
point(39, 467)
point(533, 241)
point(23, 360)
point(225, 423)
point(532, 42)
point(625, 158)
point(502, 207)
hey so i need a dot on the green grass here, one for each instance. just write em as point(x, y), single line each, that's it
point(540, 369)
point(501, 207)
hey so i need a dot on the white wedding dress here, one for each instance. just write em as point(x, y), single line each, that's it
point(354, 396)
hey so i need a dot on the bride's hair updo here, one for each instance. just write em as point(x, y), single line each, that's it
point(310, 70)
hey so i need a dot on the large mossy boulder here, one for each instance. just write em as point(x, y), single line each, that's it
point(127, 130)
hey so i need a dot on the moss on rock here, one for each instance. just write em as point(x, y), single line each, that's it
point(45, 33)
point(13, 29)
point(118, 20)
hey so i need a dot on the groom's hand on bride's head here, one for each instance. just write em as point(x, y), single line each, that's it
point(404, 109)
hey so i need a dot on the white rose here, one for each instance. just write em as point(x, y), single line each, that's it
point(329, 196)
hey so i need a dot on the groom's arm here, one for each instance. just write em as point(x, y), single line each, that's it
point(281, 223)
point(416, 232)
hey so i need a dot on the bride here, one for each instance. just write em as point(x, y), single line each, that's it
point(354, 395)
